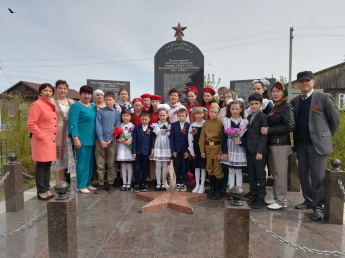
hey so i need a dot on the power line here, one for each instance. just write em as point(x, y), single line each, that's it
point(6, 75)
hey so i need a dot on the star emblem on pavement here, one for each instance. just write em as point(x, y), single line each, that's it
point(179, 201)
point(179, 31)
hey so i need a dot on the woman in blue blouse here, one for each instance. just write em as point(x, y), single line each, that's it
point(81, 126)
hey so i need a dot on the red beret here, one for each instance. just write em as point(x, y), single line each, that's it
point(155, 97)
point(146, 95)
point(210, 90)
point(137, 99)
point(192, 88)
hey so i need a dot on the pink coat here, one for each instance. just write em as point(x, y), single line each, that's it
point(42, 124)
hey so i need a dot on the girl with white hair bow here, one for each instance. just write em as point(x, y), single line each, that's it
point(260, 86)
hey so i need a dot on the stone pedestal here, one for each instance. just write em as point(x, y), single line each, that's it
point(294, 184)
point(334, 197)
point(62, 228)
point(236, 230)
point(14, 197)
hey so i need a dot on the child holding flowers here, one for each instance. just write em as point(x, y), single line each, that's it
point(160, 144)
point(233, 141)
point(124, 147)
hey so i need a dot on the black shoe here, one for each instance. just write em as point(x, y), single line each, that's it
point(116, 182)
point(251, 201)
point(99, 189)
point(43, 199)
point(212, 186)
point(258, 204)
point(216, 195)
point(247, 195)
point(154, 183)
point(143, 188)
point(317, 215)
point(137, 188)
point(111, 189)
point(303, 206)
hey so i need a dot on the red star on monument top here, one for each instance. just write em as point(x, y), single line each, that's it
point(179, 31)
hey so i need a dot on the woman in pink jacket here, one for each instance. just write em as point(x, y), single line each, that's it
point(42, 124)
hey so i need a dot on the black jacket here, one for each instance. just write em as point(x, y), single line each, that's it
point(281, 123)
point(257, 142)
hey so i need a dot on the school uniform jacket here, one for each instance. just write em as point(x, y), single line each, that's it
point(179, 138)
point(257, 142)
point(141, 144)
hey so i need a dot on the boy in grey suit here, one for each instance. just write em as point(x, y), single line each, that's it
point(317, 120)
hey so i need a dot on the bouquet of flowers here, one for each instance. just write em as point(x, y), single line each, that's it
point(119, 131)
point(233, 133)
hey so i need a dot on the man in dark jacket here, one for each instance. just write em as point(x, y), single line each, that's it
point(317, 120)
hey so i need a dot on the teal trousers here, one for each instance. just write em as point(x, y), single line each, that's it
point(85, 160)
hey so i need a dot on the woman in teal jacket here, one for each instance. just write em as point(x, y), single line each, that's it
point(81, 127)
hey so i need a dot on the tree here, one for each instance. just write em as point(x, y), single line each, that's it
point(209, 81)
point(282, 79)
point(14, 134)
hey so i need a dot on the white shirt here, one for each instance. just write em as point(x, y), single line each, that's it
point(181, 125)
point(308, 94)
point(190, 136)
point(144, 128)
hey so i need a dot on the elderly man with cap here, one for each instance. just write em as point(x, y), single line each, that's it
point(317, 120)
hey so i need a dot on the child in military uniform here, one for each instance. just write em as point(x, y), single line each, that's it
point(210, 149)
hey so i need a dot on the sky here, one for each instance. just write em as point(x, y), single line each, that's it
point(44, 41)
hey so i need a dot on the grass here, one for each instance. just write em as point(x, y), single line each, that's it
point(27, 184)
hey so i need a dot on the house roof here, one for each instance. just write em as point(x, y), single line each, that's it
point(72, 94)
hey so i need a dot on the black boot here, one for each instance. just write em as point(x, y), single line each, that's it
point(212, 186)
point(218, 189)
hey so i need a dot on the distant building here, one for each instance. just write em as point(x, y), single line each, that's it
point(29, 91)
point(330, 80)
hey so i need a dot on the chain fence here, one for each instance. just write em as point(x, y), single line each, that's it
point(296, 246)
point(27, 226)
point(27, 175)
point(341, 186)
point(4, 177)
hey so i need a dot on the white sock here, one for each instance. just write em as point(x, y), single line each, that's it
point(130, 172)
point(231, 178)
point(203, 177)
point(197, 177)
point(164, 168)
point(123, 173)
point(238, 173)
point(158, 171)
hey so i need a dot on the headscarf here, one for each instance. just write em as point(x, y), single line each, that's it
point(96, 92)
point(283, 88)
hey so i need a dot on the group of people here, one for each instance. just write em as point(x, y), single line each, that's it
point(215, 139)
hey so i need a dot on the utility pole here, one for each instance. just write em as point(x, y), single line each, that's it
point(290, 64)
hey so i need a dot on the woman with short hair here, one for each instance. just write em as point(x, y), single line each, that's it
point(81, 127)
point(175, 105)
point(42, 124)
point(64, 152)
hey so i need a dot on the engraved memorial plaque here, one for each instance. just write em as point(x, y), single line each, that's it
point(113, 86)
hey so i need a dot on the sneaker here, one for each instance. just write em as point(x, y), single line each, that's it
point(111, 189)
point(196, 189)
point(276, 206)
point(99, 189)
point(268, 202)
point(137, 188)
point(143, 188)
point(183, 188)
point(123, 188)
point(201, 189)
point(128, 187)
point(163, 187)
point(158, 188)
point(177, 187)
point(303, 206)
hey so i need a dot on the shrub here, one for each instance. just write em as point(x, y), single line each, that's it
point(339, 143)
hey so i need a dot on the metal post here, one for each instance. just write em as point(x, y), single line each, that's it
point(290, 63)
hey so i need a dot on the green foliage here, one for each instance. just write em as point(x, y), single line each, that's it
point(339, 143)
point(209, 81)
point(14, 134)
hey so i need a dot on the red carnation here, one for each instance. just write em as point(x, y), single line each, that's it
point(117, 131)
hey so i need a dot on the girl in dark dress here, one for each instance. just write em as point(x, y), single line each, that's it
point(197, 162)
